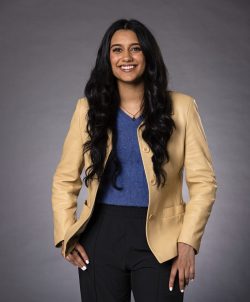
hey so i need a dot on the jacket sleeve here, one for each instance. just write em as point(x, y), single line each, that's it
point(67, 182)
point(200, 178)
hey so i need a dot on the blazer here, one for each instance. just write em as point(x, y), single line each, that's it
point(169, 219)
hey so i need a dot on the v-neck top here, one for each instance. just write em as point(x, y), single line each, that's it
point(132, 177)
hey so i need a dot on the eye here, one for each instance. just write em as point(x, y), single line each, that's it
point(116, 49)
point(136, 48)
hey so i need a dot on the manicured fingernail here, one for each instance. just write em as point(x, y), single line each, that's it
point(182, 290)
point(87, 261)
point(192, 279)
point(84, 267)
point(170, 288)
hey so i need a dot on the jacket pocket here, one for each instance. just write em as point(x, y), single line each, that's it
point(173, 210)
point(86, 203)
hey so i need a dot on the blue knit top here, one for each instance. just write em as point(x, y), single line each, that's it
point(132, 177)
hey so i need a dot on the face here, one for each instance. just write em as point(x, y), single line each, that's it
point(126, 57)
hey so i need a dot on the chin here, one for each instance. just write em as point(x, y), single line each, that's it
point(129, 79)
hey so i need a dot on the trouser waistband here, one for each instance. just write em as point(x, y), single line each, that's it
point(121, 210)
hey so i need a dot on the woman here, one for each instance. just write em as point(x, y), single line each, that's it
point(133, 137)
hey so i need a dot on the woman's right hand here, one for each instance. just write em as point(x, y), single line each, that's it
point(78, 256)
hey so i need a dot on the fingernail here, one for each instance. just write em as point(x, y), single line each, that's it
point(192, 279)
point(170, 288)
point(87, 261)
point(84, 268)
point(182, 290)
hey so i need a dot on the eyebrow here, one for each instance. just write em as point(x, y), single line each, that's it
point(121, 44)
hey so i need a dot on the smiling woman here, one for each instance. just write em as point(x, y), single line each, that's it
point(126, 57)
point(133, 137)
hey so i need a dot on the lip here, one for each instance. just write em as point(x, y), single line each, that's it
point(128, 65)
point(128, 69)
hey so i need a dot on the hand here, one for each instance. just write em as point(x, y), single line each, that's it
point(185, 264)
point(78, 256)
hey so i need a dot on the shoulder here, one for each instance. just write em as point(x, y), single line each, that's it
point(82, 106)
point(181, 102)
point(181, 99)
point(81, 109)
point(82, 103)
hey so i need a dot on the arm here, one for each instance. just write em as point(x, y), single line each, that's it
point(67, 182)
point(200, 179)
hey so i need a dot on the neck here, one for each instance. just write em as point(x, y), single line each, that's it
point(131, 95)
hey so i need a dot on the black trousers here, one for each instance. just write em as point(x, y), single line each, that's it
point(121, 260)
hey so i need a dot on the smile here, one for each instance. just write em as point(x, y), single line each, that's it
point(127, 67)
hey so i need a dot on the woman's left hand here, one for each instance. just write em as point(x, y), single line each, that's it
point(185, 264)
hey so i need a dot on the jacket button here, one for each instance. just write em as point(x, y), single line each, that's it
point(146, 149)
point(153, 181)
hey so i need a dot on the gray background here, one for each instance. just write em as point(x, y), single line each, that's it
point(47, 50)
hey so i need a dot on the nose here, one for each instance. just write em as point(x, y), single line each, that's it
point(127, 56)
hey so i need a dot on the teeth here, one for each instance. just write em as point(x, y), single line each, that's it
point(127, 67)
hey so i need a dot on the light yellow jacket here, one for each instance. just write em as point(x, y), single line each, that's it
point(169, 219)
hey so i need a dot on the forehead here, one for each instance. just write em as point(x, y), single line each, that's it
point(124, 36)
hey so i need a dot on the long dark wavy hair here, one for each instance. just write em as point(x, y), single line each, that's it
point(103, 99)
